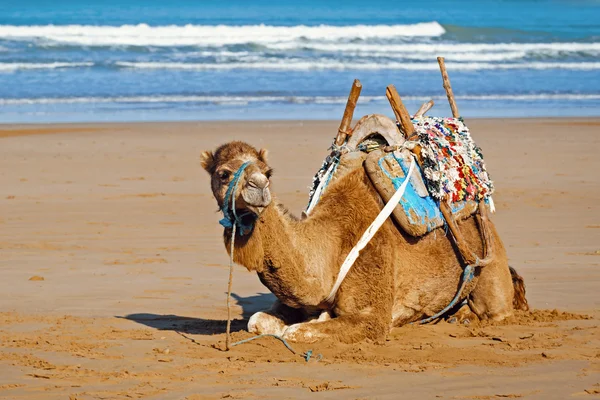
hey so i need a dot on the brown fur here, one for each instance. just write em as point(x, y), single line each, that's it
point(396, 280)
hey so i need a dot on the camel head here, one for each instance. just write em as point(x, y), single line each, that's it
point(253, 193)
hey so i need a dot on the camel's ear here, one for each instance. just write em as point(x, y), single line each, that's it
point(207, 160)
point(262, 155)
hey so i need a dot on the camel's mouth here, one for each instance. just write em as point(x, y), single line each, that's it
point(256, 210)
point(255, 199)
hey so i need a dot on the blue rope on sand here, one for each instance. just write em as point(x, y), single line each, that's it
point(306, 355)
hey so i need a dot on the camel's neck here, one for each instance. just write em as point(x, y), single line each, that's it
point(278, 254)
point(299, 260)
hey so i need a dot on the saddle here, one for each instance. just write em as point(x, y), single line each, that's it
point(418, 212)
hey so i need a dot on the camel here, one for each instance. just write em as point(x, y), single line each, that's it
point(398, 279)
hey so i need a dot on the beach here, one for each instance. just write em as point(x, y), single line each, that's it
point(114, 271)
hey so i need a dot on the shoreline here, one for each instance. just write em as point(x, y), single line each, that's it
point(25, 129)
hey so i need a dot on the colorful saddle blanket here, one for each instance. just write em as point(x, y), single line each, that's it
point(453, 171)
point(453, 165)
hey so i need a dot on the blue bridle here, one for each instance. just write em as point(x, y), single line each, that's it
point(230, 217)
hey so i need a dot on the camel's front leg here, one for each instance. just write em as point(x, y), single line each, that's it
point(275, 320)
point(347, 328)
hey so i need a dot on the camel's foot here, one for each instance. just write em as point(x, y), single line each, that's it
point(264, 323)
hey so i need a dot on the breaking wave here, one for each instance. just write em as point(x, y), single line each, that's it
point(208, 35)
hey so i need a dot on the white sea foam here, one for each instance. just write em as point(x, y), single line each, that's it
point(9, 67)
point(207, 35)
point(328, 64)
point(235, 100)
point(224, 55)
point(255, 62)
point(420, 52)
point(446, 48)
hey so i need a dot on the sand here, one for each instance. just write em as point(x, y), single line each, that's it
point(113, 271)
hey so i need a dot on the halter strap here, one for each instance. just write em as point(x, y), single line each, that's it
point(230, 216)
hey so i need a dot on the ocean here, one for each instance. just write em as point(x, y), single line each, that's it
point(130, 60)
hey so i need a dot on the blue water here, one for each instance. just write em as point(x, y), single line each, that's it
point(157, 60)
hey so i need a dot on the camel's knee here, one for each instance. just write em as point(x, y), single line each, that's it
point(496, 308)
point(265, 323)
point(492, 297)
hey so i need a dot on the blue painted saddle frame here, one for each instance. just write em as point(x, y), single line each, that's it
point(419, 210)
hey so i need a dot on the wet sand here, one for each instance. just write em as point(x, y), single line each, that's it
point(114, 272)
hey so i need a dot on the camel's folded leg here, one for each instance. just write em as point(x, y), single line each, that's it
point(275, 320)
point(492, 297)
point(346, 328)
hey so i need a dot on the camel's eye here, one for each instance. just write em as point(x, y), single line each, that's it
point(224, 175)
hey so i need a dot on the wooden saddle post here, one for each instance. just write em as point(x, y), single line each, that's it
point(344, 130)
point(408, 130)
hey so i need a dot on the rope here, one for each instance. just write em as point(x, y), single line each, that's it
point(467, 277)
point(228, 345)
point(230, 217)
point(369, 233)
point(307, 355)
point(233, 222)
point(229, 284)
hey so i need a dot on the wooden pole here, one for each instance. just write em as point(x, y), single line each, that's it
point(400, 111)
point(409, 131)
point(344, 130)
point(448, 87)
point(459, 239)
point(229, 284)
point(482, 218)
point(486, 235)
point(424, 108)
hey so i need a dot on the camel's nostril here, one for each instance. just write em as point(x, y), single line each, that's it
point(258, 181)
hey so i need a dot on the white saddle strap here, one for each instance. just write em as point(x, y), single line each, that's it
point(369, 233)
